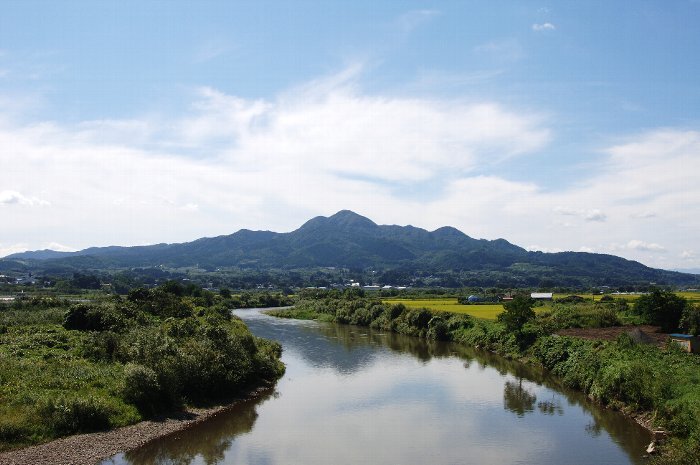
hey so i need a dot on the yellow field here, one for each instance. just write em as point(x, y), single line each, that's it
point(490, 311)
point(693, 297)
point(487, 312)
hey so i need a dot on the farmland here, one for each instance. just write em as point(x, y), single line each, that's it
point(486, 311)
point(490, 311)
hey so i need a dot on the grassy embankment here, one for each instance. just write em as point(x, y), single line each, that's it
point(635, 378)
point(70, 368)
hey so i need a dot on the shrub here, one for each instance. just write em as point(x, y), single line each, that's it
point(142, 389)
point(437, 329)
point(631, 382)
point(663, 308)
point(83, 317)
point(395, 311)
point(605, 317)
point(69, 415)
point(13, 429)
point(103, 346)
point(690, 321)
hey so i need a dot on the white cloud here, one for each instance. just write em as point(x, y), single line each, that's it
point(594, 215)
point(543, 27)
point(190, 207)
point(59, 247)
point(688, 254)
point(23, 247)
point(539, 248)
point(326, 146)
point(323, 147)
point(8, 197)
point(14, 248)
point(636, 244)
point(643, 215)
point(588, 215)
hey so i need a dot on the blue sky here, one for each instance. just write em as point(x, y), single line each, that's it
point(559, 126)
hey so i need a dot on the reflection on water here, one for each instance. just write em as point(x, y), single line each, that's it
point(518, 399)
point(353, 395)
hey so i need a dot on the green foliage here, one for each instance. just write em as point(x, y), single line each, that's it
point(97, 365)
point(141, 388)
point(633, 377)
point(690, 321)
point(69, 414)
point(663, 308)
point(438, 329)
point(517, 312)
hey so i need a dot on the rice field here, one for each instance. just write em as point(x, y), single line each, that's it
point(486, 311)
point(490, 311)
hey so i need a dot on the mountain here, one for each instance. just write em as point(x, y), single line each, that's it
point(348, 240)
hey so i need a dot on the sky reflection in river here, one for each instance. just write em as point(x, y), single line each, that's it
point(351, 395)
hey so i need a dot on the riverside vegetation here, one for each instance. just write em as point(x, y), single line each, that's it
point(663, 384)
point(71, 368)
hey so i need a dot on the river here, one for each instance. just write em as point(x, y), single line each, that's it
point(351, 395)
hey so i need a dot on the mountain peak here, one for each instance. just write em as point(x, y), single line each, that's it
point(344, 219)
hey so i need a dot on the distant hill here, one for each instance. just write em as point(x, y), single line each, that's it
point(349, 240)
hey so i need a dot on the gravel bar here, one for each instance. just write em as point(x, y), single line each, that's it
point(93, 448)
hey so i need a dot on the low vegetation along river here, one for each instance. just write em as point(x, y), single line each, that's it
point(352, 395)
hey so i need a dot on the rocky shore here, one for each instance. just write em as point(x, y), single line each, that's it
point(93, 448)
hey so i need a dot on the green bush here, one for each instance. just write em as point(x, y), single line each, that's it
point(142, 389)
point(631, 382)
point(437, 329)
point(14, 429)
point(663, 308)
point(70, 414)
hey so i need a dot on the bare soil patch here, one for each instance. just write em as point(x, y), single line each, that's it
point(645, 334)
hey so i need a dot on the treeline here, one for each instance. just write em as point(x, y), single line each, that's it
point(621, 374)
point(69, 368)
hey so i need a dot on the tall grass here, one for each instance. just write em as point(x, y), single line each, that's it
point(67, 368)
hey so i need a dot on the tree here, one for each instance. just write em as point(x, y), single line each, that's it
point(517, 312)
point(690, 321)
point(663, 308)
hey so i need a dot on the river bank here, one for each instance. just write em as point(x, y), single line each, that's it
point(93, 448)
point(658, 387)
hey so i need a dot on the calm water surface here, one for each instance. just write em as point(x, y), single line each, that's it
point(355, 396)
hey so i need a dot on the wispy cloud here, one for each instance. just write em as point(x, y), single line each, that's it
point(504, 50)
point(543, 27)
point(211, 49)
point(643, 215)
point(411, 20)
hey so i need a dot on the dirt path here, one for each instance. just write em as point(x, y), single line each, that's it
point(92, 448)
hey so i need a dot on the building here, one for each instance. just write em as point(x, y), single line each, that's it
point(687, 342)
point(541, 295)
